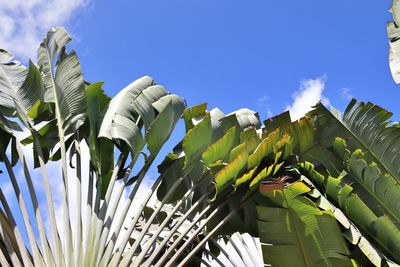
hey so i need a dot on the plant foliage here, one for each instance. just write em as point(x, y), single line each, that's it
point(319, 191)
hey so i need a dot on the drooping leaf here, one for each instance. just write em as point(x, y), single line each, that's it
point(162, 126)
point(363, 126)
point(221, 147)
point(280, 121)
point(231, 171)
point(12, 76)
point(372, 208)
point(193, 114)
point(294, 232)
point(21, 90)
point(140, 103)
point(265, 148)
point(196, 141)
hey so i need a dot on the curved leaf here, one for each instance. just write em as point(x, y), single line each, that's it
point(363, 126)
point(53, 43)
point(367, 211)
point(70, 92)
point(12, 76)
point(294, 232)
point(140, 103)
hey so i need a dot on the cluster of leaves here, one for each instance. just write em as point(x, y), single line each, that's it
point(323, 189)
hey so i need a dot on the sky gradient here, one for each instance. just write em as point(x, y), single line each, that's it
point(231, 54)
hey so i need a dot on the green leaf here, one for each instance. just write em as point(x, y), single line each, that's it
point(162, 126)
point(193, 113)
point(363, 126)
point(70, 93)
point(358, 195)
point(280, 121)
point(54, 42)
point(100, 148)
point(265, 148)
point(245, 177)
point(230, 172)
point(136, 105)
point(21, 89)
point(196, 141)
point(250, 145)
point(294, 232)
point(267, 172)
point(221, 147)
point(12, 76)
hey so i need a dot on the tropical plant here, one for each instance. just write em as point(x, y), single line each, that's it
point(319, 191)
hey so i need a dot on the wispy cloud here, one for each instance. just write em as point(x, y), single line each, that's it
point(24, 23)
point(345, 93)
point(309, 93)
point(263, 104)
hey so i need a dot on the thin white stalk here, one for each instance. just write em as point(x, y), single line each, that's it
point(78, 188)
point(25, 216)
point(204, 241)
point(10, 218)
point(90, 241)
point(235, 247)
point(9, 239)
point(110, 213)
point(97, 196)
point(88, 211)
point(49, 200)
point(3, 260)
point(150, 242)
point(127, 258)
point(103, 255)
point(173, 230)
point(232, 261)
point(99, 220)
point(90, 215)
point(66, 201)
point(252, 258)
point(48, 256)
point(136, 244)
point(190, 239)
point(214, 258)
point(117, 255)
point(205, 263)
point(119, 222)
point(93, 221)
point(258, 246)
point(184, 233)
point(210, 234)
point(110, 187)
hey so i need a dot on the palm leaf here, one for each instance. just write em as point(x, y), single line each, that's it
point(294, 232)
point(369, 197)
point(363, 126)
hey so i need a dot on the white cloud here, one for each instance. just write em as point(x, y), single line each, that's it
point(309, 93)
point(263, 99)
point(345, 93)
point(262, 103)
point(23, 23)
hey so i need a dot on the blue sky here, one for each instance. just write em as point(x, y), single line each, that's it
point(231, 54)
point(263, 55)
point(235, 54)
